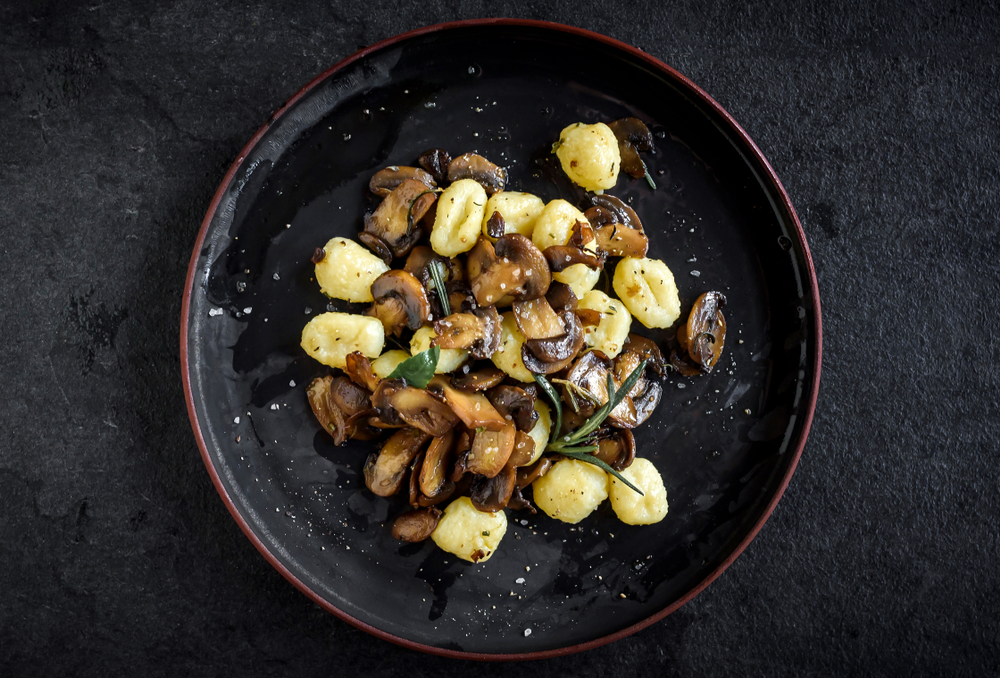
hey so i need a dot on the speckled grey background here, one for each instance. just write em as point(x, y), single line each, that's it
point(118, 121)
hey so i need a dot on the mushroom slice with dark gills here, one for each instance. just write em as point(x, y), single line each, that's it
point(478, 380)
point(615, 447)
point(633, 137)
point(386, 180)
point(561, 257)
point(376, 245)
point(590, 373)
point(385, 470)
point(472, 166)
point(359, 369)
point(433, 478)
point(416, 525)
point(617, 227)
point(704, 333)
point(395, 220)
point(561, 297)
point(493, 494)
point(436, 162)
point(646, 393)
point(512, 268)
point(400, 302)
point(648, 350)
point(329, 416)
point(393, 400)
point(514, 404)
point(552, 339)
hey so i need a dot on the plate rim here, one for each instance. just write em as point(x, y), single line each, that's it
point(769, 176)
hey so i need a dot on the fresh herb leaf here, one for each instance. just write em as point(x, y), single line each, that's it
point(437, 275)
point(591, 459)
point(649, 179)
point(418, 370)
point(556, 145)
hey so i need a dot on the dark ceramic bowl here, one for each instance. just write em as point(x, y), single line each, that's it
point(725, 444)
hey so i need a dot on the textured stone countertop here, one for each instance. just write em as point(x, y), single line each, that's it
point(119, 120)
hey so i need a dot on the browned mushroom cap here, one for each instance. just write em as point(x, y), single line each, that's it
point(416, 525)
point(384, 471)
point(474, 409)
point(645, 394)
point(537, 320)
point(514, 404)
point(433, 477)
point(588, 317)
point(492, 494)
point(616, 447)
point(633, 136)
point(420, 258)
point(436, 162)
point(400, 302)
point(415, 467)
point(512, 267)
point(459, 330)
point(581, 234)
point(622, 242)
point(561, 257)
point(491, 450)
point(561, 297)
point(560, 348)
point(529, 474)
point(463, 444)
point(359, 369)
point(524, 450)
point(647, 350)
point(377, 246)
point(479, 169)
point(590, 374)
point(612, 210)
point(495, 225)
point(705, 331)
point(329, 416)
point(682, 363)
point(395, 219)
point(348, 396)
point(386, 416)
point(479, 380)
point(395, 402)
point(386, 180)
point(490, 343)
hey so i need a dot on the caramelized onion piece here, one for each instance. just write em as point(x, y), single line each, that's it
point(492, 494)
point(386, 180)
point(436, 162)
point(479, 169)
point(491, 450)
point(417, 525)
point(384, 471)
point(633, 136)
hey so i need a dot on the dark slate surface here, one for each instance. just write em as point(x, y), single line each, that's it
point(119, 119)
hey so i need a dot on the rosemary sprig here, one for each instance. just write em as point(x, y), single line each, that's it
point(437, 275)
point(580, 443)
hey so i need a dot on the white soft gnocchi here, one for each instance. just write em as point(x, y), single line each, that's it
point(554, 227)
point(648, 289)
point(571, 490)
point(508, 356)
point(469, 533)
point(589, 155)
point(633, 508)
point(384, 365)
point(541, 431)
point(459, 218)
point(330, 337)
point(610, 333)
point(348, 271)
point(451, 358)
point(519, 212)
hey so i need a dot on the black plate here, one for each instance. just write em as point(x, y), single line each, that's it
point(726, 445)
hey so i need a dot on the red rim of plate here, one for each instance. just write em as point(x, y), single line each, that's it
point(770, 176)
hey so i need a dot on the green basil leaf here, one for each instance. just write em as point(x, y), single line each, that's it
point(418, 370)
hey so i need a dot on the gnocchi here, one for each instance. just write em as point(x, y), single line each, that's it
point(387, 362)
point(329, 337)
point(519, 212)
point(633, 508)
point(611, 332)
point(647, 288)
point(459, 218)
point(555, 227)
point(508, 356)
point(541, 431)
point(469, 533)
point(451, 358)
point(348, 271)
point(571, 490)
point(589, 155)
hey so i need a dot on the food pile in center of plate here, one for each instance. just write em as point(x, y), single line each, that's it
point(520, 375)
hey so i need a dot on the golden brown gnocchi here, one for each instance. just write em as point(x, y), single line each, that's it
point(634, 508)
point(387, 362)
point(571, 490)
point(589, 155)
point(541, 431)
point(508, 357)
point(348, 270)
point(648, 289)
point(459, 218)
point(329, 337)
point(469, 533)
point(451, 358)
point(519, 212)
point(554, 227)
point(611, 332)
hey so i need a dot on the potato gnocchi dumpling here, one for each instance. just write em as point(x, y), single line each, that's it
point(554, 227)
point(348, 271)
point(468, 533)
point(648, 289)
point(451, 358)
point(508, 357)
point(571, 490)
point(541, 431)
point(519, 212)
point(387, 362)
point(611, 332)
point(633, 508)
point(589, 155)
point(329, 337)
point(459, 218)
